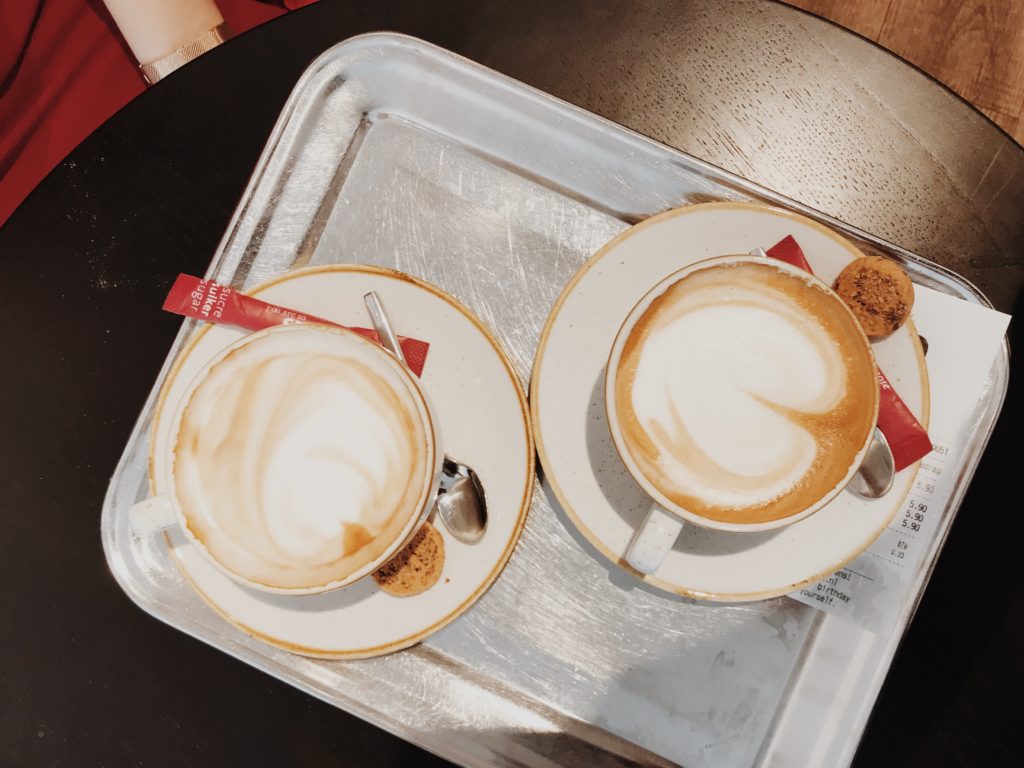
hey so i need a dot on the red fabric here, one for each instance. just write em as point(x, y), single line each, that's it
point(907, 439)
point(64, 69)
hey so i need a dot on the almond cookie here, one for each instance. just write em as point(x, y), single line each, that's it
point(416, 568)
point(879, 293)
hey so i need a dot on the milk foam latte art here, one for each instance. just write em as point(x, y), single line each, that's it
point(303, 455)
point(745, 392)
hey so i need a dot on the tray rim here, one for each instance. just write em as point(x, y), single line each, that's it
point(579, 113)
point(952, 283)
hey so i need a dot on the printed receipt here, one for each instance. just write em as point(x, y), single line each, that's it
point(963, 341)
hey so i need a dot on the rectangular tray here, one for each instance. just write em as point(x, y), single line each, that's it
point(391, 151)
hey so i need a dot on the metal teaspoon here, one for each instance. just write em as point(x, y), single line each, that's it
point(460, 503)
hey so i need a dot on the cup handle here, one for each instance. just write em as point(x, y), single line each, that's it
point(151, 515)
point(652, 541)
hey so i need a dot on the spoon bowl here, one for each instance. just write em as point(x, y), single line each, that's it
point(877, 471)
point(461, 503)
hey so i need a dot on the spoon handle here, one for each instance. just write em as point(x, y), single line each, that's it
point(382, 325)
point(463, 511)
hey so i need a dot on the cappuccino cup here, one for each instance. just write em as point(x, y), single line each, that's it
point(741, 394)
point(300, 459)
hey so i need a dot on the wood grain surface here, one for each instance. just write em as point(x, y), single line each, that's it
point(976, 47)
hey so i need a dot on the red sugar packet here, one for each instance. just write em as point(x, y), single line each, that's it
point(215, 303)
point(908, 440)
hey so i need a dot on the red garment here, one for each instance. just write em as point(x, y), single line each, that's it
point(64, 69)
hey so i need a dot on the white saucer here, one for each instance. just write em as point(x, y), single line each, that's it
point(482, 409)
point(576, 449)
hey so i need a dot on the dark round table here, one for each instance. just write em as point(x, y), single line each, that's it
point(780, 97)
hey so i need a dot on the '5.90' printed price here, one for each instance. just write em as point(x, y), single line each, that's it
point(913, 516)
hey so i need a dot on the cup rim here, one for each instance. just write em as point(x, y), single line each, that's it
point(615, 353)
point(433, 464)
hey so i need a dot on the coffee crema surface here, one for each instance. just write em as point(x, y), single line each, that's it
point(745, 393)
point(301, 457)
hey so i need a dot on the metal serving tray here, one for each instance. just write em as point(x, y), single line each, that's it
point(391, 151)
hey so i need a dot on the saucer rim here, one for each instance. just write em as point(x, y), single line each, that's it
point(536, 390)
point(524, 506)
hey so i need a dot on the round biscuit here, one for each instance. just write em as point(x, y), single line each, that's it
point(878, 292)
point(416, 568)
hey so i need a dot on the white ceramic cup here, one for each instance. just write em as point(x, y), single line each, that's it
point(162, 512)
point(655, 537)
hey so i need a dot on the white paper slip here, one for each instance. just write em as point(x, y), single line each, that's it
point(963, 340)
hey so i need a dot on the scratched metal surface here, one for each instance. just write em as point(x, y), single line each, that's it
point(391, 152)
